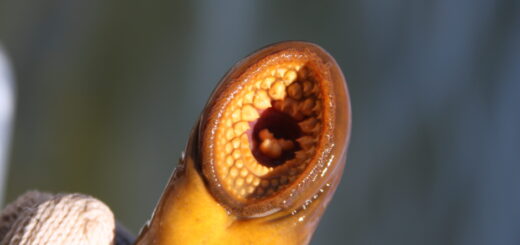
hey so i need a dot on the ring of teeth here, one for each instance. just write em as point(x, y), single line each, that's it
point(290, 88)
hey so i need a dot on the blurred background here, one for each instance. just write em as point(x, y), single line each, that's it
point(107, 92)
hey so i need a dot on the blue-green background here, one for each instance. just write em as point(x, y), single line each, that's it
point(107, 92)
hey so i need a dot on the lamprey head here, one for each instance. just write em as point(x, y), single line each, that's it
point(266, 155)
point(274, 133)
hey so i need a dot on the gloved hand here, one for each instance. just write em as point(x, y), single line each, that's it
point(43, 218)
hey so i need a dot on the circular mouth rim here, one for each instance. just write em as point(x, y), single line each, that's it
point(324, 160)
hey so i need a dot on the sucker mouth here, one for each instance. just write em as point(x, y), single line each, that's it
point(269, 131)
point(266, 155)
point(270, 126)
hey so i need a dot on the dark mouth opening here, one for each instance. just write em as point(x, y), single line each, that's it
point(285, 130)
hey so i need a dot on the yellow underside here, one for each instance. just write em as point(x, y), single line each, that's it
point(188, 214)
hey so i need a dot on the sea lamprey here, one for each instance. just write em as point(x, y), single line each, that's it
point(265, 157)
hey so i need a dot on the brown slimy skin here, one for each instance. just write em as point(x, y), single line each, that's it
point(266, 156)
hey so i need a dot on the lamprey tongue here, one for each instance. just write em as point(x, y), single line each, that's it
point(265, 157)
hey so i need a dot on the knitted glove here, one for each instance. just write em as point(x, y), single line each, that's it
point(42, 218)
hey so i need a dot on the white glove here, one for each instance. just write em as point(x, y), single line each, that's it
point(42, 218)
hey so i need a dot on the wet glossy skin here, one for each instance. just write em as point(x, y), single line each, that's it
point(265, 157)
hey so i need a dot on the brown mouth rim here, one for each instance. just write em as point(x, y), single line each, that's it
point(332, 144)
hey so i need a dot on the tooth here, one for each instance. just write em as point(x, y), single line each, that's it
point(317, 128)
point(235, 142)
point(229, 161)
point(266, 84)
point(241, 127)
point(307, 106)
point(308, 125)
point(240, 164)
point(298, 116)
point(278, 104)
point(223, 169)
point(249, 113)
point(259, 169)
point(292, 172)
point(281, 72)
point(249, 178)
point(305, 141)
point(221, 155)
point(264, 183)
point(262, 100)
point(277, 91)
point(289, 77)
point(235, 116)
point(222, 140)
point(250, 189)
point(274, 182)
point(262, 169)
point(233, 172)
point(228, 123)
point(244, 141)
point(308, 87)
point(248, 158)
point(265, 170)
point(248, 97)
point(229, 134)
point(231, 108)
point(317, 107)
point(229, 181)
point(245, 148)
point(311, 151)
point(299, 155)
point(295, 91)
point(289, 105)
point(228, 148)
point(286, 144)
point(283, 180)
point(256, 181)
point(239, 182)
point(295, 112)
point(303, 72)
point(236, 154)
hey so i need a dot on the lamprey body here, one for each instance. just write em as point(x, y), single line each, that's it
point(265, 157)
